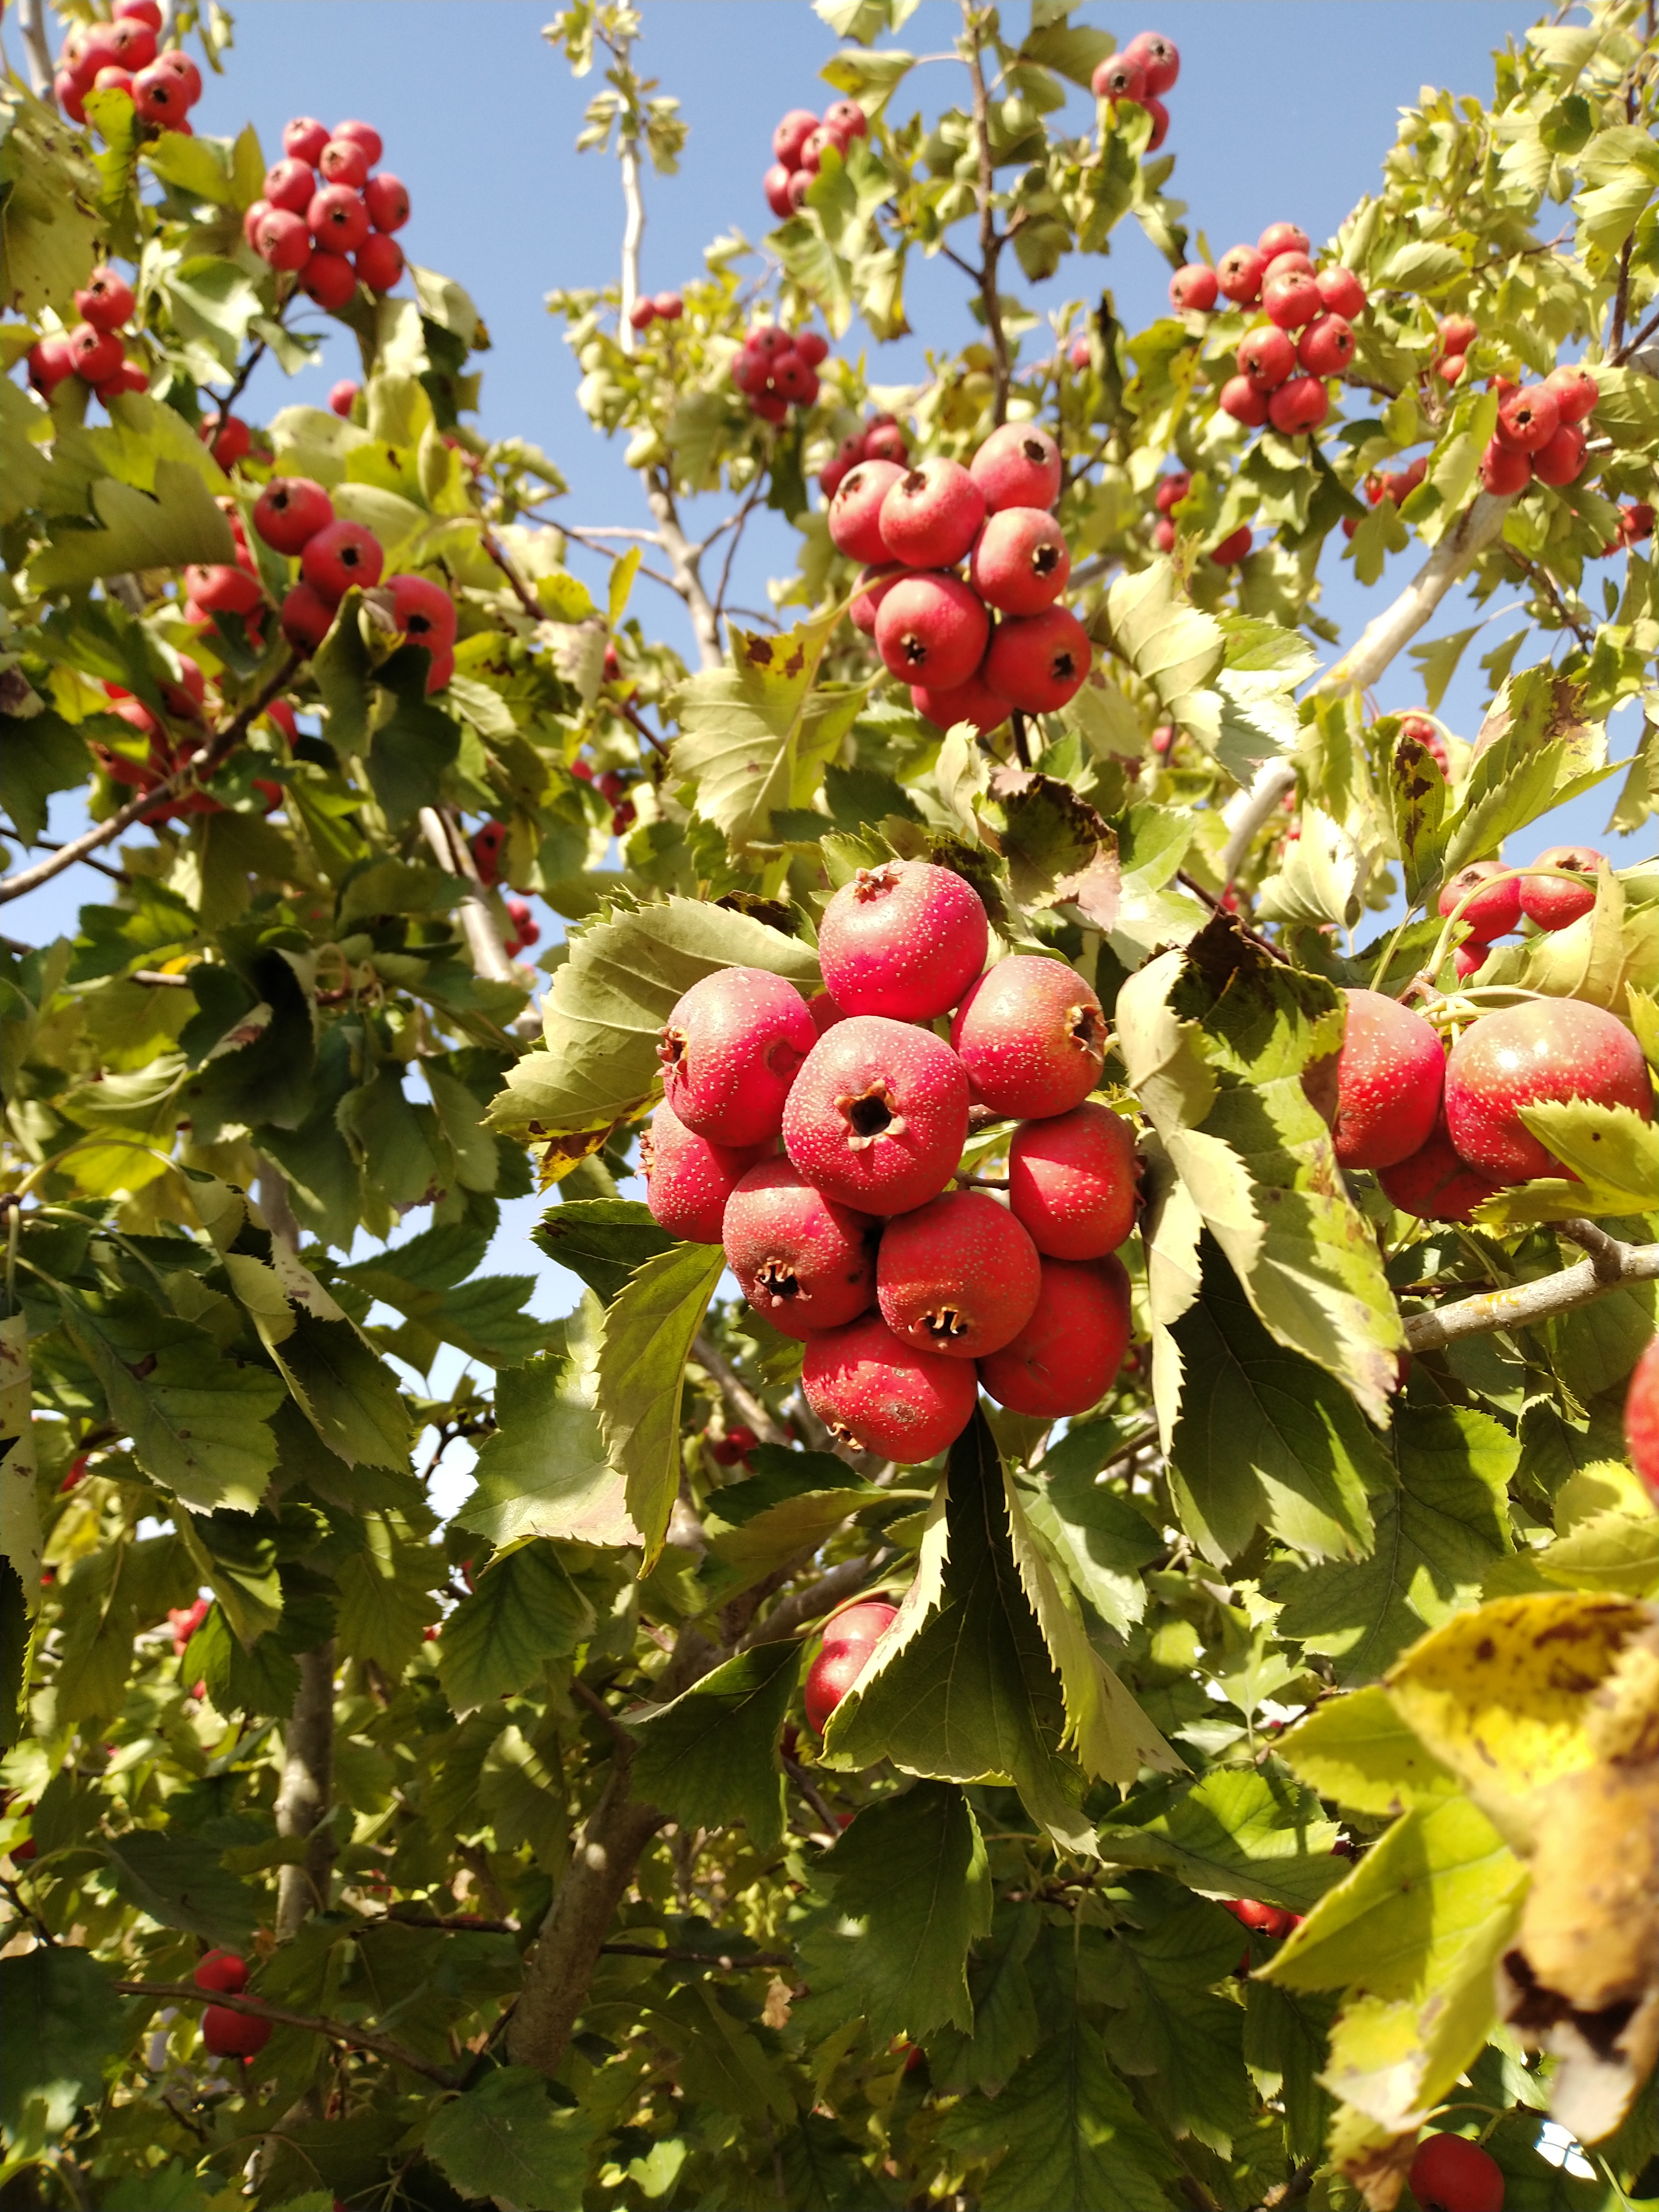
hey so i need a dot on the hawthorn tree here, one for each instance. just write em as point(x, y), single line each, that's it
point(357, 1858)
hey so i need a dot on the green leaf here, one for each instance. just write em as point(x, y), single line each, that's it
point(602, 1240)
point(1238, 1833)
point(1173, 2034)
point(648, 1328)
point(1536, 752)
point(625, 974)
point(350, 1396)
point(1359, 1751)
point(1444, 1524)
point(53, 217)
point(385, 1593)
point(754, 736)
point(710, 1755)
point(721, 2061)
point(508, 2141)
point(544, 1471)
point(60, 2022)
point(177, 524)
point(486, 1318)
point(1097, 1535)
point(1620, 171)
point(179, 1880)
point(1170, 643)
point(962, 1687)
point(196, 165)
point(524, 1610)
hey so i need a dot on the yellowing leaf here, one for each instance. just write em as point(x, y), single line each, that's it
point(1359, 1751)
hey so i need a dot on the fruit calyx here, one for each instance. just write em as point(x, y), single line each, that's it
point(869, 1114)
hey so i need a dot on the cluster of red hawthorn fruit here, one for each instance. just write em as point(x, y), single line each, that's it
point(1394, 485)
point(227, 2034)
point(915, 528)
point(1307, 337)
point(656, 307)
point(881, 438)
point(799, 146)
point(1172, 489)
point(121, 56)
point(907, 1293)
point(1549, 901)
point(1538, 435)
point(323, 217)
point(776, 369)
point(184, 702)
point(95, 350)
point(487, 844)
point(1146, 68)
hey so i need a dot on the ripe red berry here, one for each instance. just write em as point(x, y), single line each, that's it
point(106, 301)
point(776, 186)
point(1196, 289)
point(1302, 404)
point(849, 1638)
point(1503, 470)
point(282, 239)
point(366, 136)
point(132, 376)
point(222, 1971)
point(223, 589)
point(1031, 1035)
point(1561, 460)
point(879, 1114)
point(1492, 914)
point(93, 354)
point(67, 94)
point(1018, 465)
point(905, 939)
point(387, 198)
point(1163, 535)
point(1448, 2174)
point(1327, 346)
point(1067, 1355)
point(1291, 300)
point(1160, 116)
point(228, 2034)
point(1071, 1181)
point(794, 379)
point(818, 144)
point(1456, 333)
point(1341, 292)
point(1573, 389)
point(1281, 238)
point(159, 97)
point(1117, 78)
point(855, 511)
point(931, 629)
point(871, 1389)
point(1239, 273)
point(688, 1179)
point(424, 610)
point(338, 219)
point(847, 119)
point(1171, 490)
point(1232, 549)
point(1528, 419)
point(729, 1049)
point(792, 134)
point(307, 618)
point(304, 139)
point(1038, 662)
point(1388, 1077)
point(340, 554)
point(1021, 563)
point(228, 441)
point(1157, 56)
point(1267, 356)
point(1552, 903)
point(804, 1262)
point(289, 184)
point(931, 514)
point(1244, 401)
point(800, 183)
point(290, 511)
point(643, 313)
point(330, 280)
point(959, 1275)
point(1526, 1055)
point(254, 215)
point(973, 702)
point(1642, 1419)
point(342, 161)
point(379, 262)
point(342, 396)
point(874, 587)
point(138, 11)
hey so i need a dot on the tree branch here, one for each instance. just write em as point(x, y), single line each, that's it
point(1609, 1266)
point(32, 29)
point(990, 245)
point(683, 560)
point(1394, 627)
point(1247, 810)
point(305, 1794)
point(452, 853)
point(353, 2039)
point(736, 1392)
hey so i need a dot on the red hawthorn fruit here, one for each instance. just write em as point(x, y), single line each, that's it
point(1341, 291)
point(1038, 662)
point(138, 11)
point(1503, 470)
point(1490, 914)
point(932, 628)
point(423, 611)
point(340, 554)
point(1232, 549)
point(50, 363)
point(282, 239)
point(856, 513)
point(290, 186)
point(486, 845)
point(1388, 1077)
point(847, 120)
point(222, 1971)
point(1270, 1920)
point(1642, 1419)
point(1171, 490)
point(290, 511)
point(228, 442)
point(733, 1449)
point(1302, 404)
point(1031, 1035)
point(1527, 1055)
point(366, 136)
point(1288, 263)
point(1117, 79)
point(1160, 116)
point(871, 1389)
point(67, 94)
point(959, 1275)
point(1450, 2174)
point(886, 441)
point(132, 376)
point(228, 2034)
point(1456, 333)
point(776, 186)
point(342, 397)
point(1244, 401)
point(1067, 1355)
point(342, 161)
point(304, 139)
point(1291, 300)
point(1020, 561)
point(877, 1116)
point(379, 262)
point(337, 218)
point(1239, 273)
point(800, 183)
point(906, 939)
point(849, 1638)
point(873, 588)
point(1017, 465)
point(1528, 419)
point(307, 618)
point(1327, 346)
point(1157, 56)
point(1561, 459)
point(1281, 238)
point(1194, 288)
point(973, 702)
point(792, 134)
point(93, 354)
point(730, 1049)
point(1073, 1181)
point(329, 281)
point(106, 299)
point(159, 98)
point(932, 515)
point(804, 1262)
point(1573, 389)
point(1552, 903)
point(387, 198)
point(223, 589)
point(1266, 356)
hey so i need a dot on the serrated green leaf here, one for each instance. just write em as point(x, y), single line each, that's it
point(134, 529)
point(602, 1240)
point(60, 2022)
point(1359, 1752)
point(506, 2140)
point(648, 1328)
point(710, 1756)
point(1171, 644)
point(1236, 1832)
point(524, 1611)
point(179, 1880)
point(544, 1471)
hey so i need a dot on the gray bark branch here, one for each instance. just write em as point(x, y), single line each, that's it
point(305, 1795)
point(1610, 1266)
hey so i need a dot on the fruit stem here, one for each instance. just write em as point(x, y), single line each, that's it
point(1442, 943)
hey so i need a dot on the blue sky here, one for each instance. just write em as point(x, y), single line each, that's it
point(1284, 109)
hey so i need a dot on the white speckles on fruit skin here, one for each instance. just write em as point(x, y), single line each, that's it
point(903, 1152)
point(959, 1275)
point(1067, 1355)
point(1071, 1181)
point(1032, 1036)
point(802, 1262)
point(886, 1396)
point(688, 1180)
point(905, 939)
point(729, 1051)
point(1388, 1077)
point(1549, 1049)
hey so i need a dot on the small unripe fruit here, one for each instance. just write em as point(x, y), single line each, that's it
point(1291, 300)
point(1194, 289)
point(972, 702)
point(228, 2034)
point(1503, 470)
point(1073, 1182)
point(1266, 356)
point(290, 511)
point(1239, 273)
point(1067, 1355)
point(1456, 333)
point(792, 134)
point(307, 618)
point(1436, 1183)
point(1158, 58)
point(729, 1049)
point(1243, 401)
point(329, 280)
point(1327, 346)
point(905, 939)
point(1388, 1076)
point(1018, 465)
point(1038, 662)
point(1302, 404)
point(106, 301)
point(282, 239)
point(856, 509)
point(222, 1971)
point(1547, 900)
point(1562, 459)
point(804, 1261)
point(342, 161)
point(1529, 419)
point(1281, 238)
point(1020, 561)
point(688, 1180)
point(1031, 1035)
point(871, 1389)
point(342, 554)
point(1526, 1055)
point(423, 611)
point(849, 1638)
point(1492, 914)
point(366, 136)
point(1642, 1419)
point(1116, 78)
point(932, 515)
point(1448, 2174)
point(932, 629)
point(877, 1116)
point(379, 262)
point(1341, 291)
point(959, 1275)
point(304, 139)
point(337, 218)
point(289, 185)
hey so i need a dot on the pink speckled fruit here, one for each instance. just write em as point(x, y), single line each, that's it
point(1032, 1037)
point(1436, 1183)
point(932, 515)
point(1073, 1182)
point(855, 511)
point(1021, 562)
point(849, 1638)
point(1492, 914)
point(1527, 1055)
point(1389, 1075)
point(1549, 901)
point(972, 702)
point(905, 939)
point(871, 1389)
point(1039, 661)
point(1017, 465)
point(1642, 1419)
point(932, 630)
point(825, 1011)
point(959, 1275)
point(877, 1116)
point(688, 1180)
point(1067, 1355)
point(729, 1051)
point(802, 1262)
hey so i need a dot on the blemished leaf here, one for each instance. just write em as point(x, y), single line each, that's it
point(625, 974)
point(602, 1240)
point(648, 1328)
point(1358, 1751)
point(177, 524)
point(60, 2020)
point(53, 218)
point(506, 2140)
point(1236, 1833)
point(710, 1756)
point(545, 1471)
point(524, 1611)
point(179, 1880)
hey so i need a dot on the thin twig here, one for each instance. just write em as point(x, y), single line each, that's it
point(1522, 1305)
point(990, 245)
point(115, 875)
point(728, 1961)
point(736, 1392)
point(596, 1704)
point(1634, 344)
point(611, 554)
point(631, 714)
point(810, 1790)
point(741, 518)
point(353, 2039)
